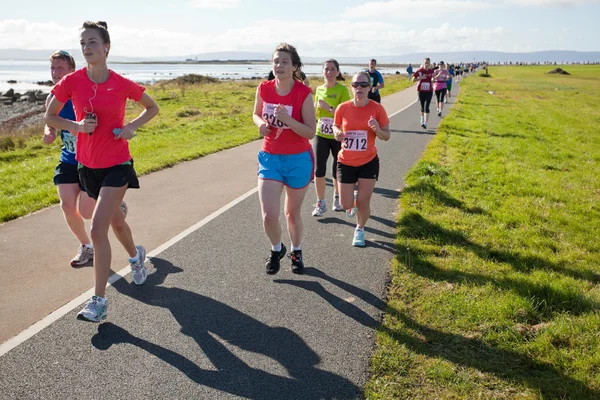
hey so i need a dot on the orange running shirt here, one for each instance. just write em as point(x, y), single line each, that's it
point(358, 145)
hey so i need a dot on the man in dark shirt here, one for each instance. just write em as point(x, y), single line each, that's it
point(376, 81)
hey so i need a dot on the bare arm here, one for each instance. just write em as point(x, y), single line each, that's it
point(150, 111)
point(257, 118)
point(383, 132)
point(52, 119)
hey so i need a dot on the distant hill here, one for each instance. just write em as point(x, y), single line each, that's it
point(416, 58)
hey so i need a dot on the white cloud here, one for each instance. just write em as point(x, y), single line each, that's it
point(411, 9)
point(33, 35)
point(550, 3)
point(216, 4)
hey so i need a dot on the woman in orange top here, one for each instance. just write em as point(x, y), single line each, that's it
point(356, 124)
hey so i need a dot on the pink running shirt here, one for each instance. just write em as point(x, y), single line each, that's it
point(100, 149)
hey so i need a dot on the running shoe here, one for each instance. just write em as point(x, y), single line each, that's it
point(140, 273)
point(336, 203)
point(422, 120)
point(439, 113)
point(274, 260)
point(297, 264)
point(359, 238)
point(84, 255)
point(94, 311)
point(424, 125)
point(124, 208)
point(320, 208)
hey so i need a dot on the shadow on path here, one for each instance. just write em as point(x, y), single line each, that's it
point(201, 318)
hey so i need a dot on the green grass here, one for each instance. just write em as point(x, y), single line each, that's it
point(195, 120)
point(495, 292)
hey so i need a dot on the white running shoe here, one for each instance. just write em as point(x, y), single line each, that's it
point(320, 208)
point(336, 203)
point(352, 212)
point(95, 310)
point(84, 255)
point(140, 273)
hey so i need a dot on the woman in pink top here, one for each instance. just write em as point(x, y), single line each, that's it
point(440, 76)
point(105, 167)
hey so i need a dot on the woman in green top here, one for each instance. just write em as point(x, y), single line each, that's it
point(328, 96)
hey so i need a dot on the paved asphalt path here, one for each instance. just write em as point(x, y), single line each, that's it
point(210, 324)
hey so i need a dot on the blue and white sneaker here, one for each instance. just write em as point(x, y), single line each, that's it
point(140, 273)
point(95, 310)
point(359, 238)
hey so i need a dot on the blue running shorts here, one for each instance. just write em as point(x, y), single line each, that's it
point(293, 170)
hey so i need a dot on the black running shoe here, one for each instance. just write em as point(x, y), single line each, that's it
point(297, 264)
point(273, 262)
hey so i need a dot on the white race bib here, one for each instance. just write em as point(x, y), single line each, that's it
point(268, 114)
point(425, 85)
point(326, 126)
point(69, 141)
point(355, 140)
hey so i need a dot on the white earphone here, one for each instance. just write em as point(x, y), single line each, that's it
point(106, 50)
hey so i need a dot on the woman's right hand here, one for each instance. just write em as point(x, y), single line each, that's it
point(324, 105)
point(338, 133)
point(264, 129)
point(87, 125)
point(49, 135)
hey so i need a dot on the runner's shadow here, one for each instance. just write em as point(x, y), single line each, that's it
point(389, 193)
point(478, 355)
point(203, 318)
point(421, 132)
point(335, 220)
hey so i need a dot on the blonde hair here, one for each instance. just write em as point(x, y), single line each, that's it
point(365, 74)
point(63, 55)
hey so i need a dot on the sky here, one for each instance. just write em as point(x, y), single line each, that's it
point(317, 28)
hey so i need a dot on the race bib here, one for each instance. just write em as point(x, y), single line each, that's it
point(326, 127)
point(355, 140)
point(268, 114)
point(69, 141)
point(425, 85)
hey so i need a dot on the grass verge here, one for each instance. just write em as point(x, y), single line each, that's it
point(495, 288)
point(196, 119)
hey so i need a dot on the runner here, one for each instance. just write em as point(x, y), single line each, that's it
point(376, 81)
point(284, 113)
point(439, 85)
point(449, 82)
point(423, 75)
point(327, 97)
point(66, 179)
point(105, 167)
point(357, 123)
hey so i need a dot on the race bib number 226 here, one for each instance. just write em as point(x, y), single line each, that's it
point(268, 114)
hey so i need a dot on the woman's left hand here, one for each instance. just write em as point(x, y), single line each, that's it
point(281, 114)
point(127, 133)
point(373, 124)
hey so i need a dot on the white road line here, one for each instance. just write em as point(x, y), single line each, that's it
point(398, 112)
point(71, 305)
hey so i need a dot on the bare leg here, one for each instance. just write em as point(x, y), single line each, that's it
point(293, 208)
point(106, 208)
point(363, 201)
point(269, 193)
point(68, 193)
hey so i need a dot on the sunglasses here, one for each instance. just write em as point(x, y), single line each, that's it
point(361, 84)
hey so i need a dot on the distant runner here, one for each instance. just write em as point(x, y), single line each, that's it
point(423, 75)
point(376, 81)
point(439, 85)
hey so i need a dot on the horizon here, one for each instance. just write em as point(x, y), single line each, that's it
point(357, 28)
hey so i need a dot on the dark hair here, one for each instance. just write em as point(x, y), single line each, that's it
point(101, 27)
point(63, 55)
point(296, 62)
point(339, 76)
point(374, 60)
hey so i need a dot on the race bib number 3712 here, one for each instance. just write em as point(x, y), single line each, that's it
point(355, 140)
point(268, 114)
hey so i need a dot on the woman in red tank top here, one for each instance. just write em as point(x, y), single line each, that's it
point(284, 114)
